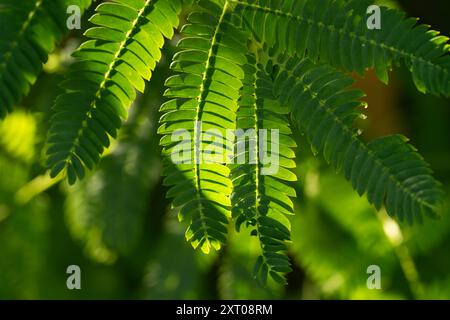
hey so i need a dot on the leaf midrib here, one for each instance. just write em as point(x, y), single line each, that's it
point(257, 166)
point(197, 121)
point(98, 94)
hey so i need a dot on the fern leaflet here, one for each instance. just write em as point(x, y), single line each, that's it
point(336, 32)
point(100, 86)
point(206, 91)
point(260, 198)
point(388, 169)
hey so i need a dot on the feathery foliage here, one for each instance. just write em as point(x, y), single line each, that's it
point(30, 31)
point(388, 169)
point(226, 80)
point(124, 48)
point(261, 198)
point(206, 91)
point(336, 32)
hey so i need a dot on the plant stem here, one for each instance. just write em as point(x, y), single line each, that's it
point(35, 187)
point(395, 236)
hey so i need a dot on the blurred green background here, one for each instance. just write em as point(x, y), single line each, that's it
point(119, 228)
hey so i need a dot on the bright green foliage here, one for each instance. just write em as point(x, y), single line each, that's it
point(30, 31)
point(123, 52)
point(210, 65)
point(336, 32)
point(388, 169)
point(259, 199)
point(226, 78)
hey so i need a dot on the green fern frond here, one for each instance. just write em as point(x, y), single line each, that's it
point(336, 32)
point(123, 52)
point(206, 91)
point(261, 199)
point(388, 170)
point(30, 31)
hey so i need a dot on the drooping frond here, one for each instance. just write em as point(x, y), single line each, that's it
point(337, 32)
point(124, 48)
point(388, 170)
point(206, 91)
point(260, 170)
point(30, 31)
